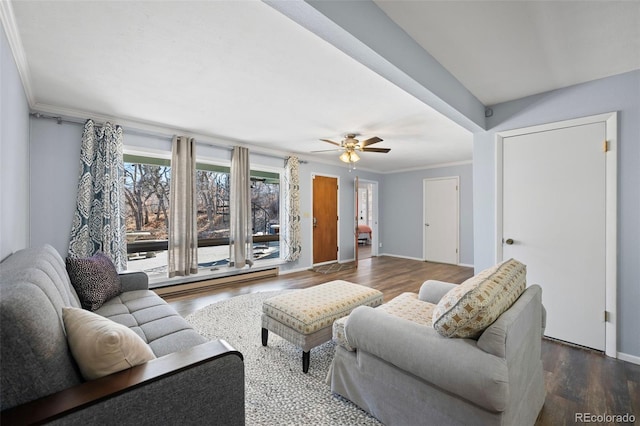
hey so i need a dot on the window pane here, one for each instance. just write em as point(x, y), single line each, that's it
point(265, 213)
point(212, 190)
point(147, 210)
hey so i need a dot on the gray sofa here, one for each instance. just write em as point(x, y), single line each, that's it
point(192, 380)
point(405, 373)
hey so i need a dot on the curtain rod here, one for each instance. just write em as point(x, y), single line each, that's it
point(60, 120)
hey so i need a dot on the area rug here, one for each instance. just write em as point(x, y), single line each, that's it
point(277, 392)
point(334, 267)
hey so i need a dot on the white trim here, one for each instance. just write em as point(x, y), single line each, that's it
point(432, 166)
point(611, 171)
point(466, 265)
point(629, 358)
point(401, 257)
point(611, 231)
point(424, 215)
point(8, 20)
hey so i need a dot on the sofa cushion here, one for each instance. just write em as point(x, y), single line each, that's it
point(151, 318)
point(468, 309)
point(95, 279)
point(101, 346)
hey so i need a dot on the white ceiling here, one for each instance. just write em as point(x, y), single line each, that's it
point(505, 50)
point(241, 71)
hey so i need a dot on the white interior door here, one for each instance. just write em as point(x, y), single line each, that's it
point(554, 221)
point(441, 203)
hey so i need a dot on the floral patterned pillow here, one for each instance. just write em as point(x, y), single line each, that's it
point(468, 309)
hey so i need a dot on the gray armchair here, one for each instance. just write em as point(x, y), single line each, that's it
point(403, 372)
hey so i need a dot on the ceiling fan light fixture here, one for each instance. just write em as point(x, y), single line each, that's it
point(349, 157)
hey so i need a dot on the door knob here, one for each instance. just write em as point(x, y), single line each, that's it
point(508, 241)
point(426, 224)
point(315, 222)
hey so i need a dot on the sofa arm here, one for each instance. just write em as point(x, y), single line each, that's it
point(134, 280)
point(455, 365)
point(432, 291)
point(204, 383)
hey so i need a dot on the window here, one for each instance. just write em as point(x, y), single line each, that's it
point(147, 182)
point(213, 189)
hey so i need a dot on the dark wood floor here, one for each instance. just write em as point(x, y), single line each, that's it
point(577, 380)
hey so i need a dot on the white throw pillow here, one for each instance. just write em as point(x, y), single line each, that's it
point(101, 346)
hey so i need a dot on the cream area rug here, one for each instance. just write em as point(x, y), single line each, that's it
point(277, 392)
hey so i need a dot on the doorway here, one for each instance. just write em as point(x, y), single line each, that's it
point(556, 214)
point(441, 220)
point(325, 219)
point(366, 219)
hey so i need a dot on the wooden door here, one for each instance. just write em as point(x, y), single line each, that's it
point(441, 204)
point(554, 221)
point(325, 219)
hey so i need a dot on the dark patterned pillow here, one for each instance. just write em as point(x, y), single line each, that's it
point(95, 279)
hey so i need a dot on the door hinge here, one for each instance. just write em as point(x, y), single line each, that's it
point(605, 146)
point(607, 316)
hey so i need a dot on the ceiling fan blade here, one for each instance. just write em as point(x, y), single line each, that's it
point(329, 150)
point(331, 142)
point(370, 141)
point(384, 150)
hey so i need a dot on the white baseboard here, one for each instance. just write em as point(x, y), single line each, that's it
point(629, 358)
point(418, 259)
point(401, 257)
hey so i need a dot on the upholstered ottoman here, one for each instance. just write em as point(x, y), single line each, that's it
point(305, 317)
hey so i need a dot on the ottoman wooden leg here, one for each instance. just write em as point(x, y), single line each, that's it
point(305, 362)
point(265, 336)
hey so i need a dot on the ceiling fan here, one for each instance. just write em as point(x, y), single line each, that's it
point(350, 145)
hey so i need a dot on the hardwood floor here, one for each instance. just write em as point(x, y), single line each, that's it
point(577, 380)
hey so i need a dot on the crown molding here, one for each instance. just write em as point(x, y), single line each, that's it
point(8, 20)
point(432, 166)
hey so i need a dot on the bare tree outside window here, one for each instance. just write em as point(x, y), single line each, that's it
point(147, 182)
point(147, 199)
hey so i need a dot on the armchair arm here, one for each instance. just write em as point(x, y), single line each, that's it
point(134, 280)
point(433, 290)
point(190, 386)
point(456, 365)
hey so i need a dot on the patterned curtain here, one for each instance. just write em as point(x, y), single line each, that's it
point(99, 220)
point(240, 232)
point(183, 232)
point(290, 234)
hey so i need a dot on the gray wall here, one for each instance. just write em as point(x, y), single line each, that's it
point(618, 93)
point(55, 158)
point(14, 155)
point(402, 204)
point(54, 163)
